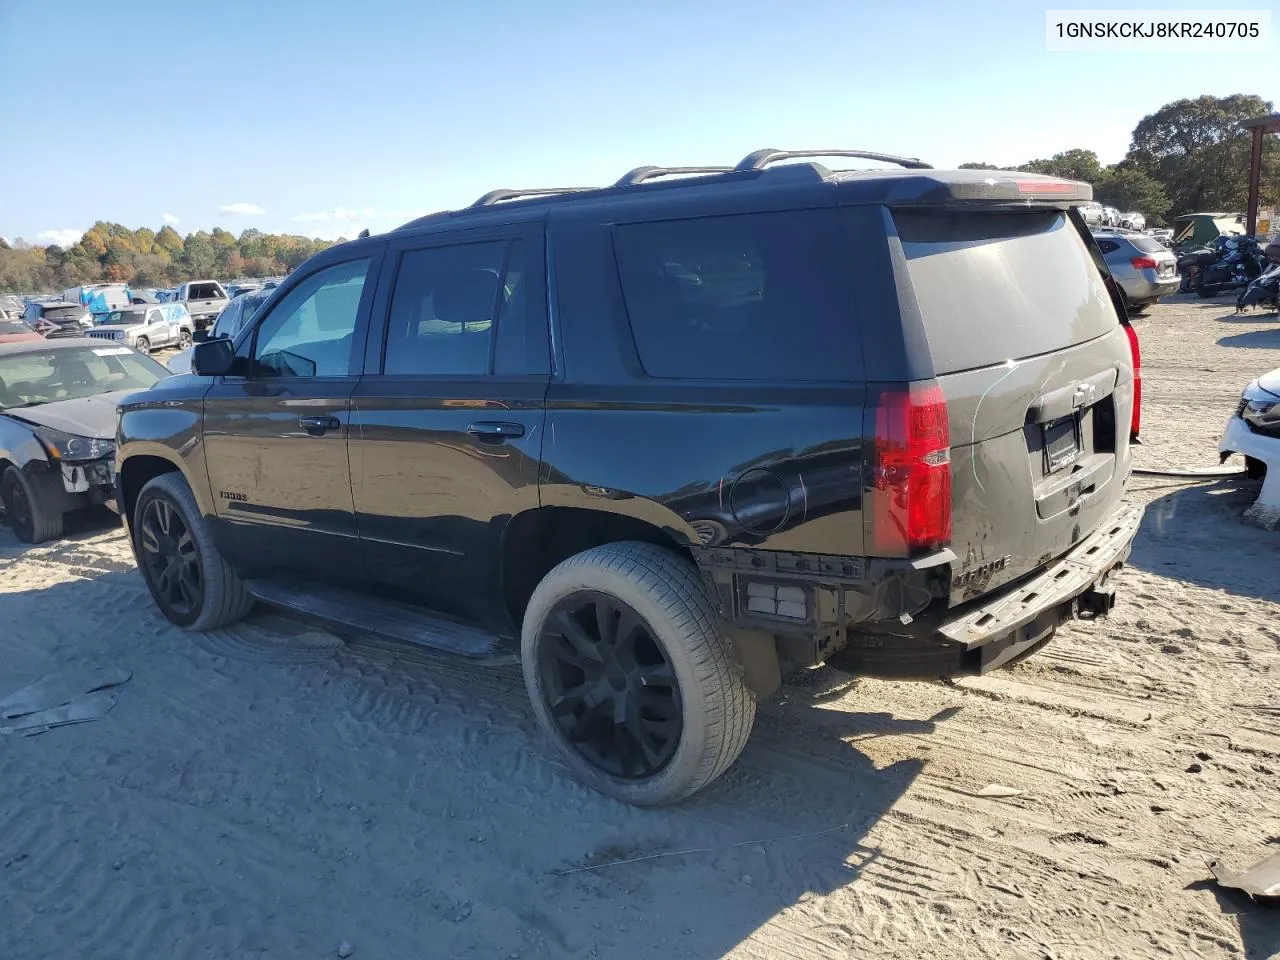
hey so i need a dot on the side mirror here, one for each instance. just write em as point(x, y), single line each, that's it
point(200, 336)
point(213, 358)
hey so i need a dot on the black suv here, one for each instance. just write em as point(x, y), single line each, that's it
point(666, 441)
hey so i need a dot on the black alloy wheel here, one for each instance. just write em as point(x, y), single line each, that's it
point(610, 685)
point(18, 506)
point(170, 558)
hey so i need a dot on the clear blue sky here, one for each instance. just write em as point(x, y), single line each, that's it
point(365, 113)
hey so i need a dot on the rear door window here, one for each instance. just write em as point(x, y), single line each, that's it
point(1001, 286)
point(757, 296)
point(443, 310)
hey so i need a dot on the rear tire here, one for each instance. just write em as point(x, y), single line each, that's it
point(31, 519)
point(142, 345)
point(190, 582)
point(681, 675)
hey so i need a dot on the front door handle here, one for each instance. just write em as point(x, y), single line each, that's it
point(318, 426)
point(494, 431)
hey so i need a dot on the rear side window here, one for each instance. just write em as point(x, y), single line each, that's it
point(1001, 286)
point(1108, 246)
point(741, 297)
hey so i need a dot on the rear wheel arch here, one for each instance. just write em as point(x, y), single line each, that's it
point(535, 541)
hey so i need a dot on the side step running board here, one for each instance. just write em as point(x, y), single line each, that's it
point(386, 618)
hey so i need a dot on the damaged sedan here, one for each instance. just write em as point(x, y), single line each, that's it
point(1254, 432)
point(57, 427)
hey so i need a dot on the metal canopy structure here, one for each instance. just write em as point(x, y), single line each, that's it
point(1259, 127)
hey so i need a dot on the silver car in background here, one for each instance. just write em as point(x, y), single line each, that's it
point(147, 326)
point(1144, 268)
point(233, 318)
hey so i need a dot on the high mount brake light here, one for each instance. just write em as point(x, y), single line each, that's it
point(1047, 186)
point(911, 486)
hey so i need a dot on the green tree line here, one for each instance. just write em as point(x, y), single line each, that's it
point(109, 252)
point(1187, 157)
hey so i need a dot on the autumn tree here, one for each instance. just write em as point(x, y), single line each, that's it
point(169, 239)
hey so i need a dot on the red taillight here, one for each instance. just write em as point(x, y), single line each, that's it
point(1144, 263)
point(1136, 423)
point(911, 496)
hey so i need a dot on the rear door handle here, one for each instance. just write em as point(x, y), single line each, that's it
point(318, 426)
point(494, 431)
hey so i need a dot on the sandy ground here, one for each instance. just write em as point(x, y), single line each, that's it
point(271, 791)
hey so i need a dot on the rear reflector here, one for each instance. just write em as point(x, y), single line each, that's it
point(1135, 424)
point(1144, 263)
point(911, 478)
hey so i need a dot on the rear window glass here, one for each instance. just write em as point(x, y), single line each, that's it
point(1148, 245)
point(69, 312)
point(742, 297)
point(1000, 286)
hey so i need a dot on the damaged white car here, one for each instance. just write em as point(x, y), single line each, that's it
point(1254, 433)
point(57, 427)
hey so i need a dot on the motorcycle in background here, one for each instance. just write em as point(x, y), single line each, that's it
point(1239, 261)
point(1262, 292)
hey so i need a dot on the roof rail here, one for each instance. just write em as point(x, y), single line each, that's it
point(641, 174)
point(497, 196)
point(762, 158)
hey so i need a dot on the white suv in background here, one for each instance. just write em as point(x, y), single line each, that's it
point(147, 326)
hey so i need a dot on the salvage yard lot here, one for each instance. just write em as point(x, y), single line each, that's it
point(272, 790)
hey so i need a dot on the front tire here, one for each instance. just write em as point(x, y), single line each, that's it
point(188, 579)
point(142, 345)
point(32, 520)
point(628, 676)
point(184, 340)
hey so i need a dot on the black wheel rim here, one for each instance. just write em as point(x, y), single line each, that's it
point(20, 507)
point(170, 558)
point(610, 685)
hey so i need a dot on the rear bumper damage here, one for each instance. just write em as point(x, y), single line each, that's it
point(998, 630)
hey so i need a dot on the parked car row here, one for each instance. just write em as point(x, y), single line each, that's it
point(1096, 215)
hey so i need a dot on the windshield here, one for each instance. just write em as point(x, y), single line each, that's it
point(47, 375)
